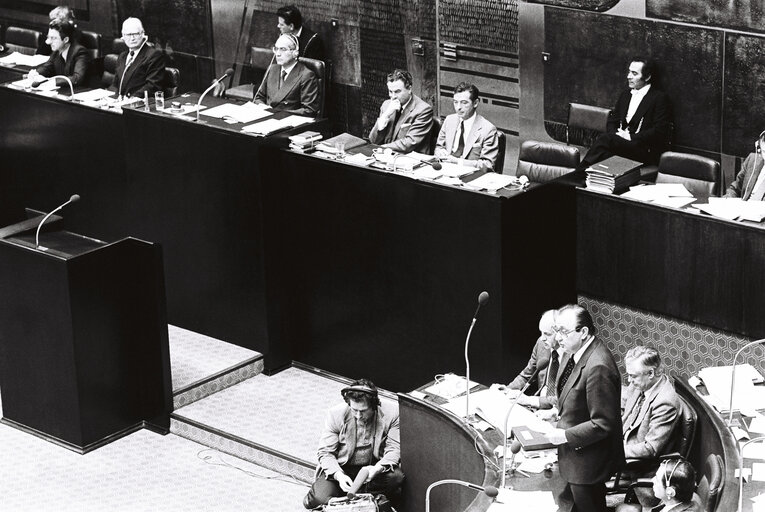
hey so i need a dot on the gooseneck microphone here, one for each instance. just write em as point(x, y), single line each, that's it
point(71, 87)
point(265, 76)
point(489, 490)
point(228, 72)
point(733, 377)
point(483, 298)
point(72, 199)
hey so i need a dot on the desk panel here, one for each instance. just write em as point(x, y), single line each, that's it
point(375, 274)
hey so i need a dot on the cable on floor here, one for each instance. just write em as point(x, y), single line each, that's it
point(208, 455)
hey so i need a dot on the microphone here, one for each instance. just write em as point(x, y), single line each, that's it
point(733, 377)
point(507, 419)
point(361, 477)
point(489, 490)
point(515, 447)
point(72, 199)
point(483, 298)
point(71, 87)
point(265, 75)
point(228, 72)
point(436, 165)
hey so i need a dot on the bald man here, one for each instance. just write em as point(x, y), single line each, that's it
point(142, 67)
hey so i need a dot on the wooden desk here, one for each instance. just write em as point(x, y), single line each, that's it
point(376, 274)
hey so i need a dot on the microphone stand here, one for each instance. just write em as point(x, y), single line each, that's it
point(507, 420)
point(71, 87)
point(72, 199)
point(733, 377)
point(212, 86)
point(489, 490)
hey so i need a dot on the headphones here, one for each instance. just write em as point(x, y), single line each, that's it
point(757, 145)
point(361, 388)
point(297, 43)
point(668, 489)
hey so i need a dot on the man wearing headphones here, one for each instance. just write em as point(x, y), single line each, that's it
point(405, 120)
point(749, 184)
point(288, 84)
point(360, 436)
point(141, 68)
point(639, 127)
point(290, 21)
point(674, 486)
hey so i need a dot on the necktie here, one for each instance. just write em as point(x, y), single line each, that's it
point(457, 152)
point(634, 413)
point(130, 58)
point(282, 78)
point(566, 374)
point(392, 128)
point(552, 373)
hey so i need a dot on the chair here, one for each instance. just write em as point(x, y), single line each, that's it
point(545, 161)
point(110, 68)
point(319, 69)
point(699, 174)
point(499, 165)
point(119, 46)
point(23, 40)
point(172, 82)
point(435, 129)
point(260, 59)
point(708, 489)
point(586, 117)
point(91, 41)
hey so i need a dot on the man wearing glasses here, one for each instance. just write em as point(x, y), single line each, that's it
point(142, 67)
point(589, 428)
point(289, 85)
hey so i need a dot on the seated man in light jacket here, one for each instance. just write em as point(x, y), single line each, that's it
point(360, 436)
point(466, 136)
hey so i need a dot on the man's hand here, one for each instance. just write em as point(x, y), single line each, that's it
point(547, 414)
point(393, 107)
point(344, 481)
point(624, 134)
point(528, 401)
point(557, 436)
point(373, 471)
point(512, 393)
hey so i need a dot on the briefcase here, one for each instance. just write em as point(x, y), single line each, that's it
point(359, 503)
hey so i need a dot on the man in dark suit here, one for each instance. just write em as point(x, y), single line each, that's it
point(290, 21)
point(749, 184)
point(68, 58)
point(289, 85)
point(141, 68)
point(405, 120)
point(589, 428)
point(639, 126)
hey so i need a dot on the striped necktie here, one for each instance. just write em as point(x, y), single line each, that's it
point(552, 373)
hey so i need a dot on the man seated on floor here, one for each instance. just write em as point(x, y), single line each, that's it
point(361, 434)
point(650, 407)
point(466, 136)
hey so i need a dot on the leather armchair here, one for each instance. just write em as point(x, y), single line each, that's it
point(700, 175)
point(545, 161)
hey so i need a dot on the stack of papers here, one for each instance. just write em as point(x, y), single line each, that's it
point(717, 379)
point(734, 208)
point(268, 126)
point(491, 182)
point(665, 194)
point(246, 113)
point(93, 95)
point(19, 59)
point(510, 500)
point(613, 178)
point(28, 83)
point(455, 170)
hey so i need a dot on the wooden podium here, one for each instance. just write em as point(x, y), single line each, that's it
point(84, 355)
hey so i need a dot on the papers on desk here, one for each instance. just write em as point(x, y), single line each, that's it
point(296, 120)
point(268, 126)
point(93, 96)
point(455, 170)
point(245, 113)
point(19, 59)
point(734, 208)
point(666, 194)
point(718, 379)
point(491, 182)
point(29, 83)
point(509, 500)
point(450, 386)
point(492, 405)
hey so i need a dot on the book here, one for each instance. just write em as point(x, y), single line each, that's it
point(301, 139)
point(613, 175)
point(531, 439)
point(351, 142)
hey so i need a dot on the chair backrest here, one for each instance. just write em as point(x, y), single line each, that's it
point(711, 484)
point(110, 68)
point(499, 165)
point(261, 58)
point(91, 41)
point(23, 40)
point(586, 117)
point(119, 46)
point(435, 129)
point(685, 430)
point(699, 174)
point(545, 161)
point(318, 68)
point(172, 82)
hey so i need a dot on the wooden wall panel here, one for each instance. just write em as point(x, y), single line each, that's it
point(737, 14)
point(744, 93)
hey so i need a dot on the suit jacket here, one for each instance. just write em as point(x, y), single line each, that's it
point(75, 67)
point(588, 408)
point(146, 72)
point(338, 439)
point(299, 94)
point(694, 505)
point(411, 131)
point(743, 185)
point(651, 434)
point(311, 45)
point(651, 124)
point(540, 358)
point(482, 143)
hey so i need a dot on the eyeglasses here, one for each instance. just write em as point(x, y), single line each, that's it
point(132, 34)
point(564, 332)
point(281, 49)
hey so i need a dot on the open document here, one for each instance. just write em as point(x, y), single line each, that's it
point(665, 194)
point(245, 113)
point(733, 208)
point(717, 379)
